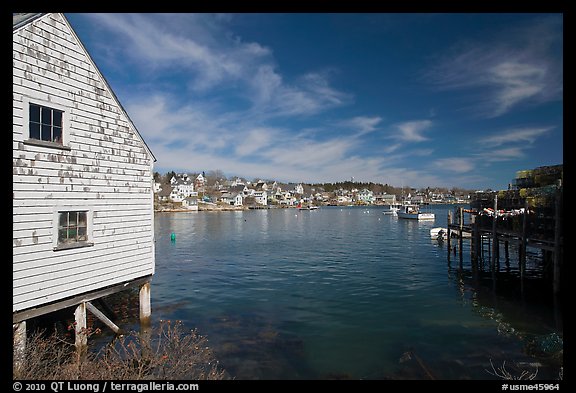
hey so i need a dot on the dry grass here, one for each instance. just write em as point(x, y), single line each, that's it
point(166, 354)
point(503, 373)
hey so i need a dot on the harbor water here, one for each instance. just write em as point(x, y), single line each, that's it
point(342, 293)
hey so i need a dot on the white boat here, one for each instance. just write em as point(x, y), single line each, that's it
point(310, 207)
point(439, 233)
point(392, 209)
point(412, 212)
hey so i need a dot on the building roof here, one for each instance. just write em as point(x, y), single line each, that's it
point(20, 19)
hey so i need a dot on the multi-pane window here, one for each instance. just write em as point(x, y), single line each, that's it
point(72, 227)
point(45, 123)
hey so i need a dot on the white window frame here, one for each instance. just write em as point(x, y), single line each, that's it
point(65, 124)
point(56, 222)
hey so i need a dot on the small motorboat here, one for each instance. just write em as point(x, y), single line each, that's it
point(439, 233)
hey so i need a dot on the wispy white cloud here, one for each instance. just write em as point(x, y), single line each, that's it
point(513, 67)
point(455, 164)
point(157, 42)
point(391, 148)
point(362, 124)
point(254, 141)
point(516, 140)
point(309, 94)
point(507, 154)
point(516, 135)
point(411, 131)
point(203, 50)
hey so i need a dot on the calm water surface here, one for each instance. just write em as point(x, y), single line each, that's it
point(335, 293)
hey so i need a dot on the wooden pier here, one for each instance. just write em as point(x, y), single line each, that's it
point(526, 228)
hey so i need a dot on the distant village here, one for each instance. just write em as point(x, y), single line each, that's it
point(183, 191)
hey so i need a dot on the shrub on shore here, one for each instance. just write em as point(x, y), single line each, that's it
point(166, 354)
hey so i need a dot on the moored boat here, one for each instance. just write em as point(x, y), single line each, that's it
point(439, 233)
point(412, 212)
point(392, 209)
point(308, 207)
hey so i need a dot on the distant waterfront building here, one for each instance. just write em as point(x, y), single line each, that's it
point(185, 187)
point(365, 196)
point(385, 199)
point(261, 197)
point(200, 183)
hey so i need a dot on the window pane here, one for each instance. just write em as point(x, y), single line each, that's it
point(63, 222)
point(34, 131)
point(34, 113)
point(81, 234)
point(46, 115)
point(46, 131)
point(57, 135)
point(82, 219)
point(73, 219)
point(57, 118)
point(62, 235)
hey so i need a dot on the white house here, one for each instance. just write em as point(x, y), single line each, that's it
point(82, 205)
point(176, 196)
point(261, 197)
point(190, 203)
point(185, 187)
point(365, 196)
point(387, 199)
point(238, 199)
point(237, 182)
point(200, 182)
point(344, 199)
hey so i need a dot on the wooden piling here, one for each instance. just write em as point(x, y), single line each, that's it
point(145, 308)
point(507, 255)
point(494, 235)
point(482, 251)
point(523, 240)
point(460, 232)
point(19, 342)
point(81, 336)
point(557, 234)
point(449, 234)
point(473, 240)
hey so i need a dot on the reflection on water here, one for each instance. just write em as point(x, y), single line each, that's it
point(342, 293)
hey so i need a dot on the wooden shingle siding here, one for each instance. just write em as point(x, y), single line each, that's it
point(105, 167)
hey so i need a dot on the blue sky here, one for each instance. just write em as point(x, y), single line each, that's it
point(449, 100)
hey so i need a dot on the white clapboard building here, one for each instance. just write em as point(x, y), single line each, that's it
point(83, 219)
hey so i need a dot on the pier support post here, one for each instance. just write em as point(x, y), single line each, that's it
point(460, 231)
point(449, 234)
point(81, 335)
point(473, 254)
point(522, 251)
point(145, 308)
point(145, 320)
point(557, 234)
point(19, 351)
point(507, 255)
point(475, 243)
point(494, 235)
